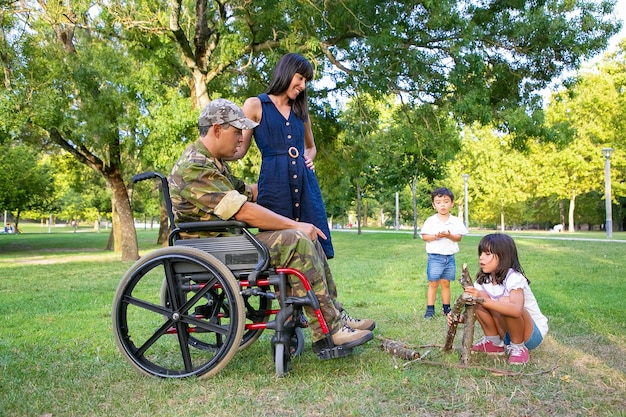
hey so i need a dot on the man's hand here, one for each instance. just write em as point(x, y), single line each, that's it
point(310, 230)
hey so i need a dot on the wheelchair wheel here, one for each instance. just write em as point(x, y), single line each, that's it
point(255, 308)
point(296, 342)
point(196, 331)
point(282, 357)
point(283, 352)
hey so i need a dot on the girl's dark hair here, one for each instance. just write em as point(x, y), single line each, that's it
point(288, 66)
point(504, 248)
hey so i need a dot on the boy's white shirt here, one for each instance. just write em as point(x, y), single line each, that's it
point(434, 225)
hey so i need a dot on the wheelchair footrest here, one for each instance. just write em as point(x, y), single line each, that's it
point(334, 352)
point(326, 349)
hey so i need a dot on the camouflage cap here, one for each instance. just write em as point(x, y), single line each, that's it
point(221, 111)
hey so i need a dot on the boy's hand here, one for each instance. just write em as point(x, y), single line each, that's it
point(442, 234)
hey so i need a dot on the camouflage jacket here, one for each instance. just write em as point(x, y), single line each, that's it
point(203, 188)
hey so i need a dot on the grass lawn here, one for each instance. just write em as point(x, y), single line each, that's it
point(58, 357)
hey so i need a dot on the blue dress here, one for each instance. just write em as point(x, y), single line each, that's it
point(286, 185)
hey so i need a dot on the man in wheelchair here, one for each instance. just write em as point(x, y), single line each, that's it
point(203, 188)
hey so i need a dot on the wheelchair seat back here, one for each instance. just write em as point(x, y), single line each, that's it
point(238, 253)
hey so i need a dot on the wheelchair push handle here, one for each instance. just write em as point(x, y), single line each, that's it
point(146, 176)
point(164, 188)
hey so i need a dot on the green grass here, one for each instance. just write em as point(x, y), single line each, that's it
point(58, 357)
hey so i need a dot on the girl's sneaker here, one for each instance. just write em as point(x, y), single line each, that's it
point(518, 355)
point(488, 347)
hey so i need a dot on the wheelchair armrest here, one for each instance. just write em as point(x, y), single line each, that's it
point(211, 226)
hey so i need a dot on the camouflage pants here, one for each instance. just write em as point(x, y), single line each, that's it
point(294, 249)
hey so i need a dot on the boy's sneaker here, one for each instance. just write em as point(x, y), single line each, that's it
point(357, 324)
point(518, 355)
point(488, 347)
point(429, 314)
point(446, 310)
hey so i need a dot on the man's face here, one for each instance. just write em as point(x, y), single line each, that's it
point(230, 140)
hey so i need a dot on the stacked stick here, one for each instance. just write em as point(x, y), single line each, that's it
point(464, 306)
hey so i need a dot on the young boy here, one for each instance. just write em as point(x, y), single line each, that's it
point(441, 232)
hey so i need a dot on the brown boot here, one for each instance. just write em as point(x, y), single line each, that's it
point(357, 324)
point(349, 337)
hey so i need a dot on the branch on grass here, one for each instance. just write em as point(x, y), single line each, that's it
point(403, 351)
point(494, 371)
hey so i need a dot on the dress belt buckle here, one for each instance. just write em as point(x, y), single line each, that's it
point(293, 152)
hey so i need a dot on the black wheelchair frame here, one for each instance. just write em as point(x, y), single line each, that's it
point(185, 309)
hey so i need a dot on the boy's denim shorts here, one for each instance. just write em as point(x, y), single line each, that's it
point(440, 267)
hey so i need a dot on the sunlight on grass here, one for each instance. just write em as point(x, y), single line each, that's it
point(58, 356)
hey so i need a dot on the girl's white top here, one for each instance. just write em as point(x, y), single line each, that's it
point(444, 246)
point(513, 281)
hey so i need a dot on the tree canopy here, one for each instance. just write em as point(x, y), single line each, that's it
point(118, 85)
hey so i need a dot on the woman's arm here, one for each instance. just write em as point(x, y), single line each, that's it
point(253, 111)
point(310, 150)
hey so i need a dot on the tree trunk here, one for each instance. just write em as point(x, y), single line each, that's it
point(572, 205)
point(414, 200)
point(109, 245)
point(124, 235)
point(365, 210)
point(502, 216)
point(358, 206)
point(164, 226)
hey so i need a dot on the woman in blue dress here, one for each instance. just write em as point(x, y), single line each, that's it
point(287, 181)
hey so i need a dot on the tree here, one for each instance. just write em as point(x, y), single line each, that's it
point(25, 183)
point(485, 59)
point(568, 173)
point(421, 141)
point(591, 110)
point(75, 84)
point(92, 79)
point(501, 177)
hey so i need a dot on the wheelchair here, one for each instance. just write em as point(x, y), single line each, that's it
point(186, 309)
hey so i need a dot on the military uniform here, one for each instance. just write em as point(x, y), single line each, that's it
point(203, 188)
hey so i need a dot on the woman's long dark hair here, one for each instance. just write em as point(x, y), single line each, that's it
point(288, 66)
point(504, 248)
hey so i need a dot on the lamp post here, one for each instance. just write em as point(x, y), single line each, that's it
point(607, 191)
point(465, 209)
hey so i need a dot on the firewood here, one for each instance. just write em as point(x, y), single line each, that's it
point(398, 349)
point(457, 307)
point(469, 303)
